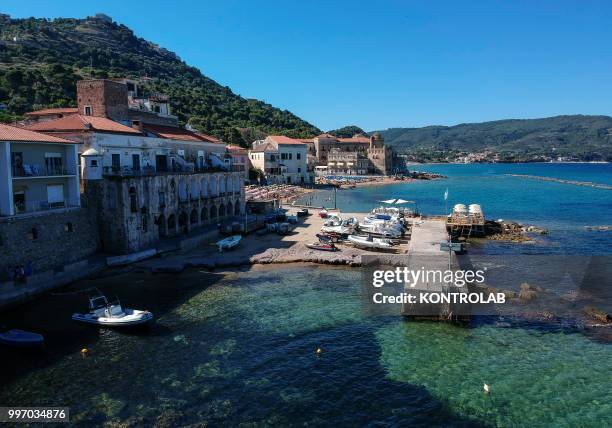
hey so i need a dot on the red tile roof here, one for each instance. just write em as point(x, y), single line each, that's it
point(209, 138)
point(354, 140)
point(77, 122)
point(325, 135)
point(53, 111)
point(264, 147)
point(175, 133)
point(236, 149)
point(281, 139)
point(11, 133)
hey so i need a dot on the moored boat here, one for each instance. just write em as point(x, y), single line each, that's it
point(229, 242)
point(323, 213)
point(323, 246)
point(21, 339)
point(112, 314)
point(370, 243)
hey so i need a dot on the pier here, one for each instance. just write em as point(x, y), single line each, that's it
point(424, 253)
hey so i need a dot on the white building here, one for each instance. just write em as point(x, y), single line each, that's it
point(142, 151)
point(38, 172)
point(282, 159)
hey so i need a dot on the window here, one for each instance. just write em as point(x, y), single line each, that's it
point(94, 163)
point(145, 223)
point(298, 156)
point(87, 110)
point(53, 164)
point(33, 234)
point(116, 161)
point(133, 200)
point(290, 155)
point(299, 169)
point(68, 227)
point(55, 195)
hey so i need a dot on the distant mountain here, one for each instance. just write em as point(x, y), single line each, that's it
point(578, 137)
point(41, 60)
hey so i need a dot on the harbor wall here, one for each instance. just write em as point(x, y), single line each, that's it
point(49, 240)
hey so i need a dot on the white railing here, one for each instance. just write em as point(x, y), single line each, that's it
point(37, 206)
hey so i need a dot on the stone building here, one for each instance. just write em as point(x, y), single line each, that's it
point(282, 160)
point(372, 148)
point(135, 213)
point(346, 163)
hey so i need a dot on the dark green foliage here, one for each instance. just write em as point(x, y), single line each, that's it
point(346, 131)
point(41, 60)
point(582, 137)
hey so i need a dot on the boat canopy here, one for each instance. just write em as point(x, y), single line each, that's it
point(397, 201)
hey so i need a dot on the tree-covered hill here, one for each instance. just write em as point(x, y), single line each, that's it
point(577, 136)
point(41, 60)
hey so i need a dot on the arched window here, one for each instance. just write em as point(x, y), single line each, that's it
point(193, 217)
point(221, 210)
point(204, 215)
point(171, 223)
point(213, 212)
point(133, 200)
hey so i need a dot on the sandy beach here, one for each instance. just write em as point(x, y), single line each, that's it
point(266, 249)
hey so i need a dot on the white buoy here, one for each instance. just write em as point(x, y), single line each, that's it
point(486, 388)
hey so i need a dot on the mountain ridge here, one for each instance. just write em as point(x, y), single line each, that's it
point(41, 60)
point(583, 137)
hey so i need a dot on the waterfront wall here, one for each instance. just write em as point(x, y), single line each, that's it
point(50, 240)
point(135, 213)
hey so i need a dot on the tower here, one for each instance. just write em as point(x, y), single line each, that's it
point(103, 98)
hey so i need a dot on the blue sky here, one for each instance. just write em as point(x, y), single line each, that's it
point(383, 64)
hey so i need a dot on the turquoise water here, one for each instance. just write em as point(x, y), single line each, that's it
point(238, 348)
point(564, 209)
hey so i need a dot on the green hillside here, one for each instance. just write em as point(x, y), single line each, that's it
point(581, 137)
point(41, 60)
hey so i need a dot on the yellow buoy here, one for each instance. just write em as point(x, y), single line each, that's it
point(84, 351)
point(318, 351)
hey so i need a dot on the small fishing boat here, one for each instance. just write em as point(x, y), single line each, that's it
point(229, 242)
point(323, 213)
point(112, 314)
point(370, 242)
point(328, 237)
point(323, 246)
point(303, 212)
point(21, 339)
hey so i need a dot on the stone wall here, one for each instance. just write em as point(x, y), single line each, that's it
point(49, 240)
point(105, 97)
point(137, 212)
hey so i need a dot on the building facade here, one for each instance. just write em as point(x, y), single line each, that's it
point(282, 160)
point(346, 163)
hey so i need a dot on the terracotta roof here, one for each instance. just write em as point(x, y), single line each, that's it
point(236, 149)
point(11, 133)
point(53, 111)
point(281, 139)
point(264, 147)
point(173, 133)
point(78, 122)
point(209, 138)
point(354, 140)
point(325, 135)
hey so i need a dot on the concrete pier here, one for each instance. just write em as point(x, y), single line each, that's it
point(424, 254)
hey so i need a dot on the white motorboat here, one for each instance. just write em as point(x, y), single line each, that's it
point(112, 314)
point(341, 227)
point(370, 242)
point(229, 242)
point(382, 229)
point(21, 339)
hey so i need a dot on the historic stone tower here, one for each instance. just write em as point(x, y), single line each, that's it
point(103, 98)
point(379, 155)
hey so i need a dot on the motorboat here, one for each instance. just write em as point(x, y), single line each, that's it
point(328, 237)
point(342, 227)
point(229, 242)
point(21, 339)
point(382, 230)
point(112, 314)
point(303, 212)
point(323, 213)
point(370, 242)
point(323, 246)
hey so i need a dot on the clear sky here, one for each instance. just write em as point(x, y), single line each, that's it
point(383, 64)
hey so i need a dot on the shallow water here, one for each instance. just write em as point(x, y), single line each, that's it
point(240, 349)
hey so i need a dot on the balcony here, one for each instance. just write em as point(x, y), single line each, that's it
point(127, 171)
point(38, 171)
point(26, 207)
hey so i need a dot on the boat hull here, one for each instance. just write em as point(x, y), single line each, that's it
point(126, 321)
point(21, 339)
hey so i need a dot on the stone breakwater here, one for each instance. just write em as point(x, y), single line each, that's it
point(559, 180)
